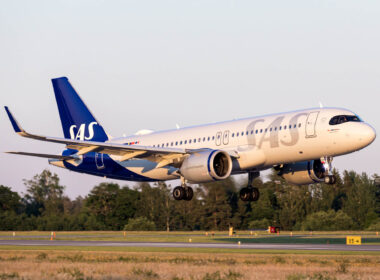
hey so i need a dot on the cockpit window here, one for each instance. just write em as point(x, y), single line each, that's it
point(344, 118)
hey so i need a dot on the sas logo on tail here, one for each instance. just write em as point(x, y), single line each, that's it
point(80, 135)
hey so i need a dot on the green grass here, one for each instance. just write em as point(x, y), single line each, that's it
point(182, 250)
point(199, 236)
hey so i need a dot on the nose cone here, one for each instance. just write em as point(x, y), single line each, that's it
point(367, 135)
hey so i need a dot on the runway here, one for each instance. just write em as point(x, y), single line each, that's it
point(261, 246)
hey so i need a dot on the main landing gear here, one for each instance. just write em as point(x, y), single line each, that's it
point(250, 193)
point(329, 177)
point(183, 192)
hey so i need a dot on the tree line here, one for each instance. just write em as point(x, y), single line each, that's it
point(352, 203)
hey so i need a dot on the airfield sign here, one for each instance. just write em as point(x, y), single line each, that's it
point(353, 240)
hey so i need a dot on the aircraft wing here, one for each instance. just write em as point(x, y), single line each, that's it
point(164, 156)
point(42, 155)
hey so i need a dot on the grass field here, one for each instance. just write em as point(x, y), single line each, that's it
point(58, 262)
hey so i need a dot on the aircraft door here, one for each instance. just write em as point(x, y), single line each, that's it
point(218, 138)
point(311, 125)
point(99, 161)
point(226, 136)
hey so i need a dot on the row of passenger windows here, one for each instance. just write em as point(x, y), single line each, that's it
point(257, 131)
point(212, 138)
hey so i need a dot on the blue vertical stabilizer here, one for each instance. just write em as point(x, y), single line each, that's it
point(77, 121)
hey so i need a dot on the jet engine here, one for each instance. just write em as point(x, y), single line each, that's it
point(207, 166)
point(302, 173)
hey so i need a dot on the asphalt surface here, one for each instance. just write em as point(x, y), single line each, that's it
point(261, 246)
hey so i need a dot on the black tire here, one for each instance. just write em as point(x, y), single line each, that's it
point(179, 193)
point(328, 180)
point(245, 194)
point(189, 193)
point(255, 194)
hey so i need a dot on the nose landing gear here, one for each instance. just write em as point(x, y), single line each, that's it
point(329, 177)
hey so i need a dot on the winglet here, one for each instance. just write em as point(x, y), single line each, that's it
point(16, 126)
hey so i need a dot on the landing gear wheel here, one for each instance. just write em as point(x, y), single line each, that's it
point(245, 194)
point(179, 193)
point(249, 194)
point(255, 194)
point(189, 193)
point(330, 179)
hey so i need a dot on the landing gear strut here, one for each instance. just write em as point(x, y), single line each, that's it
point(183, 192)
point(329, 177)
point(250, 193)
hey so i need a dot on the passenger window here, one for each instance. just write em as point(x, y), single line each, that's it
point(195, 140)
point(284, 126)
point(270, 129)
point(237, 134)
point(190, 141)
point(199, 139)
point(171, 144)
point(208, 138)
point(204, 139)
point(242, 133)
point(185, 141)
point(213, 137)
point(261, 131)
point(256, 131)
point(295, 126)
point(233, 134)
point(176, 143)
point(266, 129)
point(275, 129)
point(299, 125)
point(180, 142)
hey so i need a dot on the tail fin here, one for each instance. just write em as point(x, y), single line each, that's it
point(77, 121)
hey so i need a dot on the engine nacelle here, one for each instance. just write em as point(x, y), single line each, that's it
point(207, 166)
point(303, 173)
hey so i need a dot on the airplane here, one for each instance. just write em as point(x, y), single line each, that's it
point(300, 145)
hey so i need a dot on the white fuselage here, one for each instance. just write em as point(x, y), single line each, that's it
point(260, 142)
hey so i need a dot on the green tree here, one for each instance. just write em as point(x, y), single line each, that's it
point(9, 200)
point(293, 205)
point(216, 207)
point(360, 202)
point(329, 220)
point(44, 194)
point(140, 223)
point(155, 204)
point(188, 215)
point(111, 206)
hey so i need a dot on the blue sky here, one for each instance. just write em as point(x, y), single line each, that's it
point(152, 64)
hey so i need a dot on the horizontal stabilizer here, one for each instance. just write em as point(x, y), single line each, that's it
point(42, 155)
